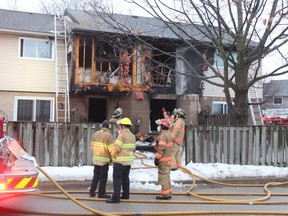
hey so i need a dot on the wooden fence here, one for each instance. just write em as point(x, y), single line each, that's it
point(68, 144)
point(254, 145)
point(55, 144)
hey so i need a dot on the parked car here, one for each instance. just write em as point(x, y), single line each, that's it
point(275, 116)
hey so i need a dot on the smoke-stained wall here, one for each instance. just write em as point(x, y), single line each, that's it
point(187, 64)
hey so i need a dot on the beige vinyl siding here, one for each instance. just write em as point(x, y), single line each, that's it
point(22, 74)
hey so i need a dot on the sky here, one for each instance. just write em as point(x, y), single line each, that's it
point(211, 171)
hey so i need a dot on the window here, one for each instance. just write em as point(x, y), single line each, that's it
point(218, 61)
point(277, 100)
point(34, 109)
point(219, 107)
point(36, 48)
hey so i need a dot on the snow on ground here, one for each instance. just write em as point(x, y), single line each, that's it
point(146, 178)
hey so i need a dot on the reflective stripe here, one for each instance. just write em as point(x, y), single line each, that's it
point(166, 192)
point(158, 155)
point(103, 159)
point(179, 141)
point(22, 183)
point(98, 144)
point(119, 143)
point(123, 159)
point(166, 145)
point(129, 145)
point(165, 159)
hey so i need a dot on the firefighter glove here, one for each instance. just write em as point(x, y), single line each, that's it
point(156, 162)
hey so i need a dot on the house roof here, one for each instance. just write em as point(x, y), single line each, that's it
point(91, 21)
point(26, 21)
point(276, 88)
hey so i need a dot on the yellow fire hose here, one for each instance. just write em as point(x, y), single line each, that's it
point(203, 196)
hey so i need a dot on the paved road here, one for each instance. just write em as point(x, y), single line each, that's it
point(146, 204)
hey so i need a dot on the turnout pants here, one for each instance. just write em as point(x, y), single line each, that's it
point(121, 179)
point(100, 175)
point(176, 153)
point(164, 179)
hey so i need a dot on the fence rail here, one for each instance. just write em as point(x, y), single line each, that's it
point(68, 144)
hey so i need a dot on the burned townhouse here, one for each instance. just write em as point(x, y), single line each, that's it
point(132, 62)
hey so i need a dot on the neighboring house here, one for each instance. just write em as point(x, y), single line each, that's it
point(275, 95)
point(29, 64)
point(99, 69)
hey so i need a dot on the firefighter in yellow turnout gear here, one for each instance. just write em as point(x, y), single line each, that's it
point(163, 158)
point(122, 152)
point(101, 159)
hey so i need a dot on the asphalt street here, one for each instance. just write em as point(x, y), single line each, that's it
point(207, 199)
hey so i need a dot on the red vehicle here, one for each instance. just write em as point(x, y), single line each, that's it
point(18, 172)
point(275, 116)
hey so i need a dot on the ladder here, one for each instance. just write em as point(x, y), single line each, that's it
point(61, 70)
point(255, 107)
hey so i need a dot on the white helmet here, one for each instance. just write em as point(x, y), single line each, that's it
point(117, 113)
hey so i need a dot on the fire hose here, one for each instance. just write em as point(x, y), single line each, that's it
point(204, 196)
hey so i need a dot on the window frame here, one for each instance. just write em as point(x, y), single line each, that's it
point(219, 60)
point(34, 99)
point(224, 107)
point(277, 98)
point(21, 52)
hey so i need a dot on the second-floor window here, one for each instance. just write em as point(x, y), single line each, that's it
point(277, 100)
point(33, 109)
point(218, 61)
point(36, 48)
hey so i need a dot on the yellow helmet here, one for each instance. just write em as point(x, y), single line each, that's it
point(125, 121)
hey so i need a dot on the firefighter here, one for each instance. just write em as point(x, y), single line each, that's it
point(163, 158)
point(177, 133)
point(169, 117)
point(113, 121)
point(122, 152)
point(101, 158)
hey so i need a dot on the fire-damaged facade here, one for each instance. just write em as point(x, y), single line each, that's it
point(110, 68)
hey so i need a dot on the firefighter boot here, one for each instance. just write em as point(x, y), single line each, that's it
point(163, 197)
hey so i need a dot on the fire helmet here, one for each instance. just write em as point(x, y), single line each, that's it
point(125, 121)
point(181, 113)
point(117, 113)
point(164, 122)
point(174, 111)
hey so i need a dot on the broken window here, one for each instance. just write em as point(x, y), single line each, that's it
point(157, 64)
point(111, 60)
point(104, 61)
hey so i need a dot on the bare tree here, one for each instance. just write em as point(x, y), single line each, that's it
point(58, 7)
point(240, 32)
